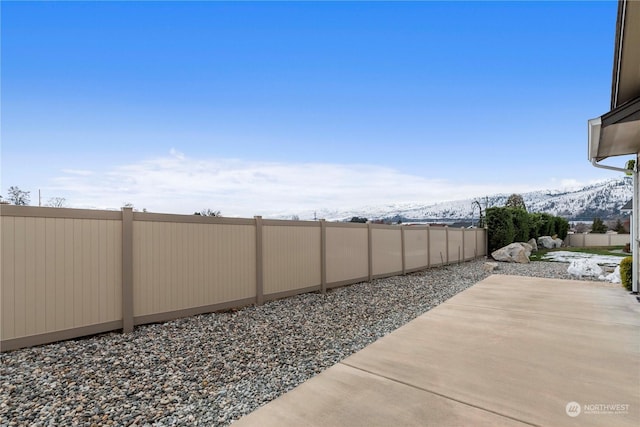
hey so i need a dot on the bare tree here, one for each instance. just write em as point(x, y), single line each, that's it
point(19, 197)
point(208, 212)
point(295, 218)
point(57, 202)
point(516, 201)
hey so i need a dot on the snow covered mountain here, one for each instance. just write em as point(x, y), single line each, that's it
point(603, 199)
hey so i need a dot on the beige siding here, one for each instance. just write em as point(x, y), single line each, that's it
point(416, 250)
point(347, 253)
point(291, 258)
point(58, 274)
point(455, 244)
point(184, 265)
point(387, 250)
point(437, 245)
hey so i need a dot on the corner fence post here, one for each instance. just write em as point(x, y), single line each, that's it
point(127, 270)
point(486, 242)
point(259, 262)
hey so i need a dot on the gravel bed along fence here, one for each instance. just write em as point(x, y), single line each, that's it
point(212, 369)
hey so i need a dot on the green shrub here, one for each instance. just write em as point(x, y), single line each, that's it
point(626, 269)
point(521, 224)
point(500, 224)
point(535, 221)
point(561, 227)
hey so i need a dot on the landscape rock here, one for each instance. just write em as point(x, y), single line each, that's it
point(534, 245)
point(549, 242)
point(527, 248)
point(514, 252)
point(490, 266)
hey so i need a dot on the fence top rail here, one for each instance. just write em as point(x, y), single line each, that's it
point(193, 219)
point(65, 213)
point(386, 226)
point(290, 223)
point(347, 224)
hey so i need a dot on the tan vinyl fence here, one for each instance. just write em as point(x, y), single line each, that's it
point(67, 273)
point(592, 240)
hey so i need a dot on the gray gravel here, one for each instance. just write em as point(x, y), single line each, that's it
point(212, 369)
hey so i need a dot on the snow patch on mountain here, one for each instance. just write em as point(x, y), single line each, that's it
point(603, 199)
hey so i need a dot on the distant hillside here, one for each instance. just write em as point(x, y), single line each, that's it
point(603, 200)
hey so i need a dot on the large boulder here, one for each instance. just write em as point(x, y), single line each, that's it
point(515, 252)
point(534, 245)
point(549, 242)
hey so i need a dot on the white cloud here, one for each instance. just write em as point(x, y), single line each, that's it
point(77, 172)
point(179, 184)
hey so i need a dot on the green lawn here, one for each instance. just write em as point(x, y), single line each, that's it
point(605, 250)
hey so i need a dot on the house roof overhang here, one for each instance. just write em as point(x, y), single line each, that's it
point(617, 132)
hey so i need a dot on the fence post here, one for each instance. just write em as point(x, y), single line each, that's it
point(428, 246)
point(127, 270)
point(259, 263)
point(323, 256)
point(609, 239)
point(464, 231)
point(446, 239)
point(475, 252)
point(402, 250)
point(486, 242)
point(370, 249)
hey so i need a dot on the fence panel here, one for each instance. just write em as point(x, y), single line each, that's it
point(437, 245)
point(183, 266)
point(291, 253)
point(470, 242)
point(455, 245)
point(347, 253)
point(586, 240)
point(481, 242)
point(416, 249)
point(60, 273)
point(619, 239)
point(386, 250)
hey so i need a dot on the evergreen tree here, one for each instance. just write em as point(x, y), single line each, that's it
point(598, 226)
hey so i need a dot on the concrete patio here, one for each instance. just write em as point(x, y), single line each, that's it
point(508, 351)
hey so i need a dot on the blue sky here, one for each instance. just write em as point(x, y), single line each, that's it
point(275, 108)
